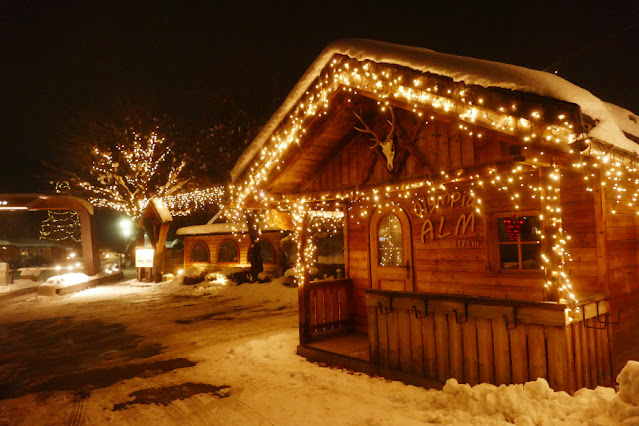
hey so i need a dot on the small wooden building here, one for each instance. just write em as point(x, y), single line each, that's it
point(220, 245)
point(489, 217)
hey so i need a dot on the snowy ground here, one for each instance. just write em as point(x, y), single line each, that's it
point(19, 284)
point(168, 354)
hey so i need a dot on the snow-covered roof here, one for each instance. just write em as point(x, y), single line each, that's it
point(627, 120)
point(469, 70)
point(162, 210)
point(212, 228)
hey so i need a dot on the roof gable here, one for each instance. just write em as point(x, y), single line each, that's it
point(467, 71)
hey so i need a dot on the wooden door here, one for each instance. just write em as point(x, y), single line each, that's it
point(391, 251)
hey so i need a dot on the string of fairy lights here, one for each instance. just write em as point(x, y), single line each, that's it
point(61, 225)
point(600, 162)
point(537, 178)
point(127, 179)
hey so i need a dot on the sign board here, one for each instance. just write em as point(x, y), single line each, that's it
point(144, 258)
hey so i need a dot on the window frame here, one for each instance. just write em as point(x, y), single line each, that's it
point(208, 252)
point(237, 248)
point(401, 235)
point(497, 244)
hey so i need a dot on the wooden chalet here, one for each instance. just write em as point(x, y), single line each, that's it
point(220, 245)
point(488, 212)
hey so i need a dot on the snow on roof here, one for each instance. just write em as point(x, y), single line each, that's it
point(212, 228)
point(627, 120)
point(162, 210)
point(469, 70)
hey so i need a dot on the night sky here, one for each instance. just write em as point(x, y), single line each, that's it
point(61, 57)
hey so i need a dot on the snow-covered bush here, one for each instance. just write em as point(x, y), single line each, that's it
point(193, 276)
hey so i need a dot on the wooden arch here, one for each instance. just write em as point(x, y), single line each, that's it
point(33, 202)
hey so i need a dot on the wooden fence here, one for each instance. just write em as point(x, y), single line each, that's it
point(326, 308)
point(481, 340)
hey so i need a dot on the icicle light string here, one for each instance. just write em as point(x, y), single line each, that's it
point(617, 170)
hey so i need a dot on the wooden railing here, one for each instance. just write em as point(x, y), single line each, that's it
point(324, 310)
point(483, 340)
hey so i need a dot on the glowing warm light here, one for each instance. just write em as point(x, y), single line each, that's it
point(538, 180)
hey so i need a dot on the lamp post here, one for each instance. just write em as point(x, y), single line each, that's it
point(126, 229)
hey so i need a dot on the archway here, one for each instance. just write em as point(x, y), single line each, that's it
point(33, 202)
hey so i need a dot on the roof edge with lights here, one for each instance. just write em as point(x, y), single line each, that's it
point(611, 128)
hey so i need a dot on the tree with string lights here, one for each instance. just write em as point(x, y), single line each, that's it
point(122, 158)
point(127, 162)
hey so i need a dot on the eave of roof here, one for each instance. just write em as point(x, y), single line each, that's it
point(461, 69)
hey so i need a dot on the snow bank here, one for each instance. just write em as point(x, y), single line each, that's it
point(356, 397)
point(628, 381)
point(66, 280)
point(469, 70)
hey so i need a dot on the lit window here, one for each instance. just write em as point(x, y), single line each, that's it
point(390, 250)
point(200, 252)
point(519, 243)
point(228, 252)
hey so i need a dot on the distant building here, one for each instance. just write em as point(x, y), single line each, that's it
point(215, 246)
point(33, 252)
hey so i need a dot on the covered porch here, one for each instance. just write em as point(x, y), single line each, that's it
point(426, 338)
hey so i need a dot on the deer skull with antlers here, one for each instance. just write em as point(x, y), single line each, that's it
point(388, 144)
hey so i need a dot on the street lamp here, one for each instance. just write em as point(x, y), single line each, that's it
point(126, 228)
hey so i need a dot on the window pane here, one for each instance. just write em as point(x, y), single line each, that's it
point(529, 228)
point(200, 252)
point(228, 253)
point(508, 256)
point(501, 230)
point(389, 241)
point(531, 256)
point(267, 252)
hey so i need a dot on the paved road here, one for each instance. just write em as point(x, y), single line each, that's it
point(65, 362)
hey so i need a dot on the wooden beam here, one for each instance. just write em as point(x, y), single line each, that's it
point(315, 127)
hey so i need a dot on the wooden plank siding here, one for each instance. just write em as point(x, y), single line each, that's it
point(439, 265)
point(603, 248)
point(486, 348)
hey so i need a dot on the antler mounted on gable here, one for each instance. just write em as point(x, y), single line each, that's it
point(388, 144)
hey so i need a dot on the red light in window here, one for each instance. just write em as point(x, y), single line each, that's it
point(513, 227)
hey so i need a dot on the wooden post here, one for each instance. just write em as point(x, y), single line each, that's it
point(302, 293)
point(549, 229)
point(599, 201)
point(158, 259)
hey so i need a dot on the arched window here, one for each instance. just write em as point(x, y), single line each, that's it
point(267, 252)
point(200, 252)
point(228, 252)
point(389, 241)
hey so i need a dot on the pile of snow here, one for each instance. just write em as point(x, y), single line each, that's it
point(32, 273)
point(628, 381)
point(66, 280)
point(290, 273)
point(278, 290)
point(360, 399)
point(265, 276)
